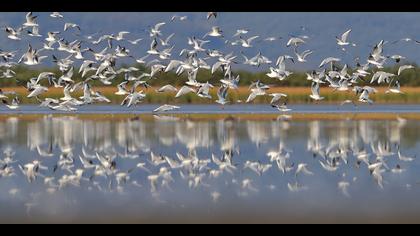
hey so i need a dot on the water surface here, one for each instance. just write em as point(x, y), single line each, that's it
point(228, 109)
point(206, 189)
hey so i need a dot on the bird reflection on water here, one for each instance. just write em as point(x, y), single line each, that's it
point(186, 162)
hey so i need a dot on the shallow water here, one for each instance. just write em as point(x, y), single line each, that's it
point(201, 190)
point(216, 109)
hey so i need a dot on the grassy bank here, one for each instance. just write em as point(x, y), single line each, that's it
point(296, 95)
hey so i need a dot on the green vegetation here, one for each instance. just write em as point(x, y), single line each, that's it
point(297, 79)
point(295, 95)
point(296, 86)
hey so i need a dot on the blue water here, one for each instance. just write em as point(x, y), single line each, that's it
point(215, 109)
point(184, 199)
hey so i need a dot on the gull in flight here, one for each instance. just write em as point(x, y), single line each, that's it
point(68, 26)
point(376, 58)
point(153, 48)
point(343, 40)
point(214, 53)
point(364, 93)
point(301, 57)
point(30, 20)
point(271, 39)
point(211, 14)
point(12, 33)
point(215, 32)
point(397, 58)
point(167, 88)
point(231, 82)
point(135, 42)
point(155, 31)
point(295, 42)
point(31, 57)
point(280, 72)
point(165, 108)
point(133, 98)
point(252, 62)
point(121, 35)
point(36, 91)
point(64, 106)
point(276, 102)
point(46, 103)
point(122, 89)
point(257, 89)
point(142, 60)
point(13, 105)
point(204, 90)
point(52, 38)
point(246, 43)
point(56, 15)
point(277, 97)
point(8, 74)
point(67, 76)
point(86, 67)
point(315, 92)
point(328, 61)
point(222, 95)
point(166, 41)
point(34, 32)
point(381, 76)
point(184, 90)
point(403, 68)
point(396, 89)
point(403, 40)
point(240, 31)
point(180, 18)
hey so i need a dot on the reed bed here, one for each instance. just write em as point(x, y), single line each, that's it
point(296, 95)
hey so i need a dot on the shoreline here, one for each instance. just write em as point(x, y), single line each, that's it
point(247, 112)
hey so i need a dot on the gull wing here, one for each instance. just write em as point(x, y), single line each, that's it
point(345, 35)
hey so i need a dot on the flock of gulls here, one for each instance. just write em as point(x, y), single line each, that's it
point(213, 157)
point(160, 58)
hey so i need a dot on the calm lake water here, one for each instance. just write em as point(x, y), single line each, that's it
point(228, 109)
point(224, 169)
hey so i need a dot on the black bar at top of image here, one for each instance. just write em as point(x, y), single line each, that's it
point(209, 5)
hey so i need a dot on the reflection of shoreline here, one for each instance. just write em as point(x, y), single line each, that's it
point(208, 156)
point(138, 133)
